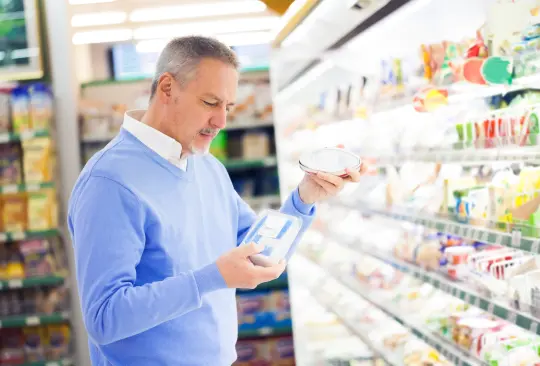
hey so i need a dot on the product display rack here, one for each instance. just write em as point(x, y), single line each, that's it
point(441, 235)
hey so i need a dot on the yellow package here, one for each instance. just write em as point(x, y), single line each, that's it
point(42, 210)
point(14, 212)
point(38, 160)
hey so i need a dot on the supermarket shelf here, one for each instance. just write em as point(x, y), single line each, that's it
point(248, 125)
point(468, 157)
point(264, 332)
point(18, 321)
point(500, 309)
point(29, 134)
point(263, 200)
point(63, 362)
point(455, 355)
point(24, 187)
point(360, 332)
point(31, 282)
point(451, 226)
point(23, 235)
point(278, 284)
point(250, 163)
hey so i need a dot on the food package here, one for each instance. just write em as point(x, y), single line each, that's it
point(5, 110)
point(254, 352)
point(38, 160)
point(58, 340)
point(14, 212)
point(20, 109)
point(10, 164)
point(41, 106)
point(37, 258)
point(255, 145)
point(42, 210)
point(34, 344)
point(282, 351)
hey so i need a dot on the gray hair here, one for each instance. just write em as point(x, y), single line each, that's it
point(181, 56)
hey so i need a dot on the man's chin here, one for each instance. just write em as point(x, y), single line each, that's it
point(200, 150)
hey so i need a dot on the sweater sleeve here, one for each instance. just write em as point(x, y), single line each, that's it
point(293, 205)
point(107, 224)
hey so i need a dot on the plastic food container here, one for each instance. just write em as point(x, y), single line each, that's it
point(277, 232)
point(330, 160)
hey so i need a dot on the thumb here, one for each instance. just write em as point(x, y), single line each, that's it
point(250, 249)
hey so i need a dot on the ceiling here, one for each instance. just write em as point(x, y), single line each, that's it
point(99, 21)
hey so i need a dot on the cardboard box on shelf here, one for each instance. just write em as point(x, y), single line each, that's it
point(255, 145)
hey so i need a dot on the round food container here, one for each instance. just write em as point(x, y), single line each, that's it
point(332, 160)
point(458, 255)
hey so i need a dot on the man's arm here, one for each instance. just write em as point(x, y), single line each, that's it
point(107, 223)
point(293, 205)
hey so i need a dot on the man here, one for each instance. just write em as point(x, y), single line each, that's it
point(156, 223)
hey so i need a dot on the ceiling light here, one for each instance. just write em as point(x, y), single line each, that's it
point(234, 39)
point(102, 36)
point(103, 18)
point(207, 27)
point(197, 10)
point(81, 2)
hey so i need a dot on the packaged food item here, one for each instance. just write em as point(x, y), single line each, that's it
point(277, 232)
point(10, 164)
point(5, 110)
point(34, 344)
point(255, 145)
point(38, 160)
point(14, 212)
point(253, 353)
point(58, 340)
point(12, 350)
point(282, 351)
point(42, 210)
point(41, 106)
point(329, 160)
point(14, 265)
point(37, 258)
point(20, 109)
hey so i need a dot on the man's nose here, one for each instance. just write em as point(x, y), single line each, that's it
point(219, 119)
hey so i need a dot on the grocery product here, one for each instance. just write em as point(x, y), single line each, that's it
point(20, 109)
point(58, 341)
point(14, 212)
point(38, 160)
point(329, 160)
point(42, 210)
point(41, 106)
point(34, 344)
point(277, 232)
point(10, 164)
point(5, 110)
point(37, 258)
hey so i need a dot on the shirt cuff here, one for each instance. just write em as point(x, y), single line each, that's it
point(209, 279)
point(299, 205)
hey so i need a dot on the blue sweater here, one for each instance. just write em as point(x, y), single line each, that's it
point(146, 236)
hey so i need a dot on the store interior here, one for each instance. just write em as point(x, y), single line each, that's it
point(433, 258)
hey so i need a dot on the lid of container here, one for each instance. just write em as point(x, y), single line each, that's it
point(329, 160)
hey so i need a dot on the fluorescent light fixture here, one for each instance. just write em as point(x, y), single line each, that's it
point(103, 36)
point(206, 27)
point(197, 10)
point(103, 18)
point(233, 39)
point(81, 2)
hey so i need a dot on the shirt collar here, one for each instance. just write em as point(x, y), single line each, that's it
point(163, 145)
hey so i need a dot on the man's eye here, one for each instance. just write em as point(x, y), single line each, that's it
point(209, 104)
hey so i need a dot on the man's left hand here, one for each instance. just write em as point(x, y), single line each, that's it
point(319, 186)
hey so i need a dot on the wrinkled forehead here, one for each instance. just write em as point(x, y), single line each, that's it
point(216, 78)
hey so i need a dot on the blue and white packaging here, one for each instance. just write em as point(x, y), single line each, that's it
point(277, 232)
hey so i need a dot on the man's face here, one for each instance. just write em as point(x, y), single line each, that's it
point(198, 110)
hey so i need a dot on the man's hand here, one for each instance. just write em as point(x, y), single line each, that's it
point(239, 272)
point(319, 186)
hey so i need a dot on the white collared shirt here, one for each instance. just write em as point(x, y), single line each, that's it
point(165, 146)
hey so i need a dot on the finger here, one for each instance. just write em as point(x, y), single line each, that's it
point(265, 274)
point(354, 175)
point(333, 179)
point(250, 249)
point(327, 186)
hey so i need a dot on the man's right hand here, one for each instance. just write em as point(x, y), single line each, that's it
point(239, 272)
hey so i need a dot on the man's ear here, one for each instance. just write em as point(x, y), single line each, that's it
point(165, 86)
